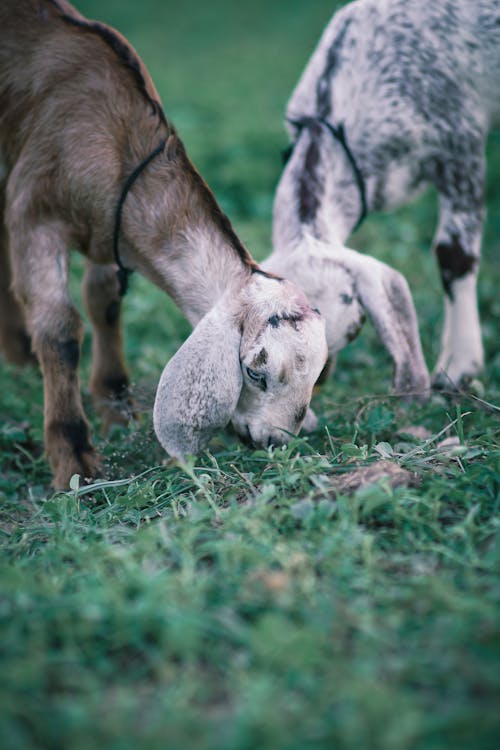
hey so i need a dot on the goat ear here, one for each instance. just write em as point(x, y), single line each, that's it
point(200, 386)
point(386, 297)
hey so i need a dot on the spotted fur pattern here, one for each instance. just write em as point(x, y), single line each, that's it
point(416, 85)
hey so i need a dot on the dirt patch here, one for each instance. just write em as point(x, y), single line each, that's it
point(387, 471)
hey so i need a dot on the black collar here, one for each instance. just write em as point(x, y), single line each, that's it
point(123, 272)
point(338, 132)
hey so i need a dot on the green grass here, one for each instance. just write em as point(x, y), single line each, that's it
point(242, 602)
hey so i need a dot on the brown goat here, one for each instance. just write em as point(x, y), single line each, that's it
point(78, 115)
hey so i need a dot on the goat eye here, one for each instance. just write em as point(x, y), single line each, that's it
point(258, 378)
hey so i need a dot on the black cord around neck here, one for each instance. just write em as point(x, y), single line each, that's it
point(338, 132)
point(123, 272)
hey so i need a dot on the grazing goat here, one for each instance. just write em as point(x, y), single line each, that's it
point(89, 161)
point(398, 94)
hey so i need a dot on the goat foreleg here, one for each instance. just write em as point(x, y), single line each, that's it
point(109, 381)
point(40, 276)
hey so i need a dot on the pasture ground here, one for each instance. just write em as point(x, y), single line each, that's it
point(243, 602)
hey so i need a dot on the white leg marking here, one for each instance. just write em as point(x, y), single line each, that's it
point(462, 351)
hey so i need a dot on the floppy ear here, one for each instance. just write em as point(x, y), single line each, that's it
point(384, 294)
point(200, 386)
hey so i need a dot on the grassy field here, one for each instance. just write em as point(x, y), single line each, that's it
point(247, 600)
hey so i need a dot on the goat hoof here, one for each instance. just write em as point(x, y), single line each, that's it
point(114, 403)
point(70, 451)
point(116, 413)
point(89, 467)
point(442, 382)
point(417, 390)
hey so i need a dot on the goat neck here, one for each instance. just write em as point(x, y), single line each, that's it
point(313, 217)
point(175, 233)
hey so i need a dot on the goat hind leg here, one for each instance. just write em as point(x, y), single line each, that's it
point(109, 381)
point(457, 247)
point(39, 265)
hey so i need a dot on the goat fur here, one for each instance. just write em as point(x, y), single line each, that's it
point(415, 86)
point(78, 113)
